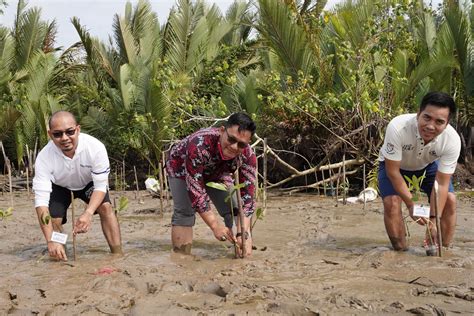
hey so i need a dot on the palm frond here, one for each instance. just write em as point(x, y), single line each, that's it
point(285, 37)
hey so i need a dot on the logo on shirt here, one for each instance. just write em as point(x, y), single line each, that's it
point(390, 148)
point(86, 166)
point(408, 147)
point(433, 153)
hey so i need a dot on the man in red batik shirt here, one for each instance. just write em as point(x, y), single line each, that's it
point(212, 155)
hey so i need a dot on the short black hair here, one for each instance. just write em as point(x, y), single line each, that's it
point(439, 99)
point(244, 122)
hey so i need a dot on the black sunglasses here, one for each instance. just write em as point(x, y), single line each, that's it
point(232, 140)
point(68, 132)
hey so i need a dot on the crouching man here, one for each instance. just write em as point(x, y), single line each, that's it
point(78, 163)
point(212, 155)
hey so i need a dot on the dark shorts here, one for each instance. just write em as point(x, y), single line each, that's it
point(60, 199)
point(386, 188)
point(183, 212)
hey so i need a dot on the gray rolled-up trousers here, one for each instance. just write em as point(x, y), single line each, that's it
point(183, 212)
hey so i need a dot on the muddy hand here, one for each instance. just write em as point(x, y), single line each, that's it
point(83, 223)
point(57, 251)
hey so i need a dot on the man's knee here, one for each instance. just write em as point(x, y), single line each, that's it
point(105, 210)
point(450, 206)
point(392, 205)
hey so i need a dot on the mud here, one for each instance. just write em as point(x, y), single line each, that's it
point(312, 257)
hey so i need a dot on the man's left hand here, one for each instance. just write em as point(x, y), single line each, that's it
point(83, 223)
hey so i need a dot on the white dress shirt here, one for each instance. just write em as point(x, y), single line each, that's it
point(89, 163)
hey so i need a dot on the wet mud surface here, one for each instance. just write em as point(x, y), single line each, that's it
point(312, 257)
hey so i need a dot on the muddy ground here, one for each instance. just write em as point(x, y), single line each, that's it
point(312, 257)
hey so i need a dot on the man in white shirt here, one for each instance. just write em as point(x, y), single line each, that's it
point(417, 144)
point(75, 162)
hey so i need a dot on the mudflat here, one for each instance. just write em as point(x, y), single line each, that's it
point(312, 257)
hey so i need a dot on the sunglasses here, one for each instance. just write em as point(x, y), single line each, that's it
point(232, 140)
point(68, 132)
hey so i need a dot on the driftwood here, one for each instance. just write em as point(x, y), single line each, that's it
point(346, 165)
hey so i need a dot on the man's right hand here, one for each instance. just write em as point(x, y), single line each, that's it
point(57, 251)
point(420, 220)
point(221, 231)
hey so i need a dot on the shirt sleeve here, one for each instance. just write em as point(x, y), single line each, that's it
point(100, 169)
point(392, 145)
point(42, 181)
point(448, 161)
point(194, 175)
point(247, 175)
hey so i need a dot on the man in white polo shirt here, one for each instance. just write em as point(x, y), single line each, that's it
point(415, 144)
point(77, 162)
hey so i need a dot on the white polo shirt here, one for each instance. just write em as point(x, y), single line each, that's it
point(403, 143)
point(89, 163)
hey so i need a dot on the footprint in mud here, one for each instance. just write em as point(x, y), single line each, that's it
point(375, 258)
point(465, 263)
point(212, 288)
point(289, 309)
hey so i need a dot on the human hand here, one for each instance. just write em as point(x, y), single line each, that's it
point(83, 223)
point(420, 220)
point(223, 233)
point(56, 250)
point(248, 244)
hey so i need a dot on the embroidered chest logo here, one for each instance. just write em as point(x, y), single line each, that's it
point(408, 147)
point(390, 148)
point(86, 166)
point(433, 153)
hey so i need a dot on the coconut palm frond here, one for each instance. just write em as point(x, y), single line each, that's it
point(40, 69)
point(96, 122)
point(460, 27)
point(29, 35)
point(7, 57)
point(8, 117)
point(285, 37)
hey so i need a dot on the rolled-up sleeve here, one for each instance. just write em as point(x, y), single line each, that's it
point(101, 169)
point(42, 182)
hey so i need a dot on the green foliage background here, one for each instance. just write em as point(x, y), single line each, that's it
point(317, 82)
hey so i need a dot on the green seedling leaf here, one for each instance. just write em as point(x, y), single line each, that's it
point(218, 186)
point(123, 204)
point(45, 219)
point(239, 186)
point(259, 213)
point(8, 212)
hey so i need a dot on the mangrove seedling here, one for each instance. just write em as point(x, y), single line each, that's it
point(4, 214)
point(414, 185)
point(228, 199)
point(122, 204)
point(45, 219)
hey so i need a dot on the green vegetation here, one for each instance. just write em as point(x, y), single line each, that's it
point(122, 204)
point(414, 185)
point(4, 214)
point(315, 81)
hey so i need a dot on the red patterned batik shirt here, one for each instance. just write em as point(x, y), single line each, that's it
point(197, 159)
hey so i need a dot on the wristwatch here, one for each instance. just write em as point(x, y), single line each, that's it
point(246, 235)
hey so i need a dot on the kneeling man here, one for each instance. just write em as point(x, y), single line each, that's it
point(417, 144)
